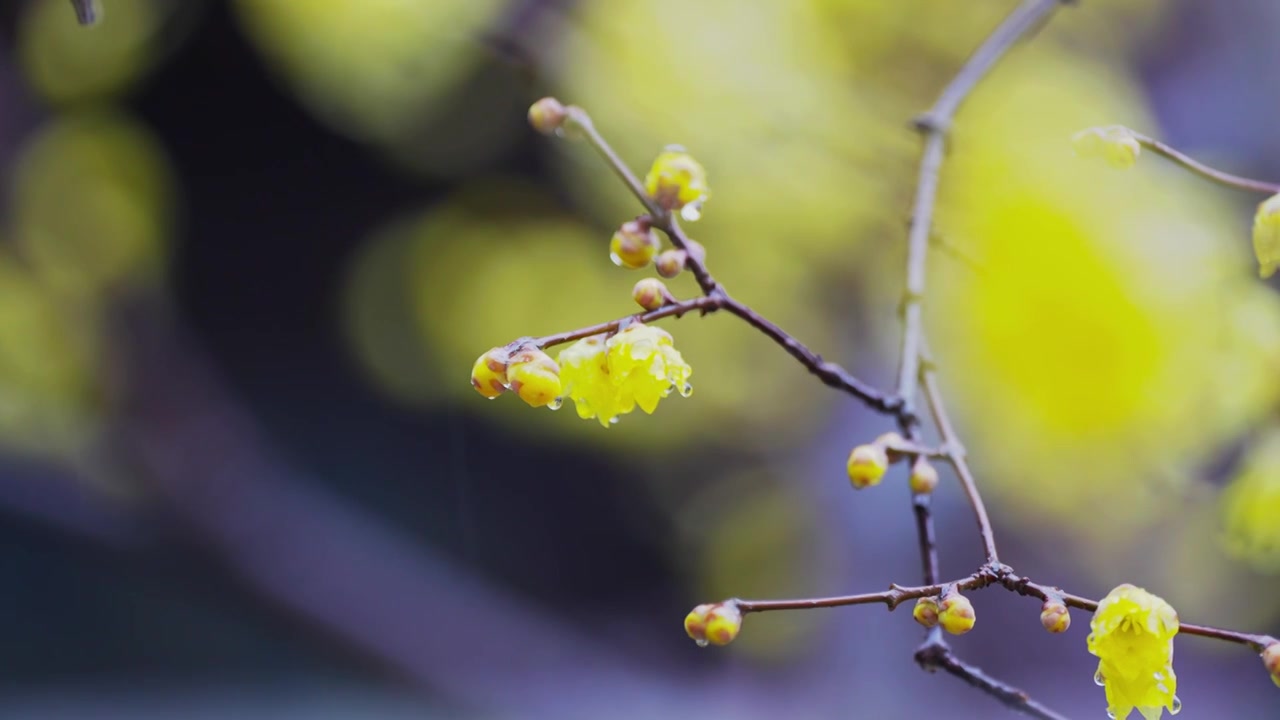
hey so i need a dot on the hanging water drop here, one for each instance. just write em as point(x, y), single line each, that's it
point(1099, 678)
point(686, 390)
point(616, 260)
point(701, 643)
point(1176, 706)
point(556, 404)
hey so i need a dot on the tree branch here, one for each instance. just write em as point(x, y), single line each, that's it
point(1236, 182)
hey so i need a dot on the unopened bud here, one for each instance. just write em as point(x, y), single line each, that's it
point(867, 465)
point(489, 374)
point(924, 477)
point(535, 377)
point(650, 293)
point(955, 613)
point(926, 611)
point(1054, 616)
point(1271, 659)
point(670, 262)
point(634, 245)
point(1266, 236)
point(714, 623)
point(547, 115)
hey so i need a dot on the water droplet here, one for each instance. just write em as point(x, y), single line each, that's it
point(1099, 678)
point(613, 420)
point(701, 643)
point(556, 404)
point(616, 260)
point(692, 212)
point(1111, 715)
point(1176, 706)
point(686, 390)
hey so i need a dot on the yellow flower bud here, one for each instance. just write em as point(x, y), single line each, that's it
point(678, 182)
point(1114, 143)
point(867, 465)
point(650, 293)
point(670, 262)
point(955, 614)
point(1054, 616)
point(924, 477)
point(535, 377)
point(489, 374)
point(634, 245)
point(1266, 236)
point(547, 115)
point(714, 623)
point(1271, 659)
point(926, 611)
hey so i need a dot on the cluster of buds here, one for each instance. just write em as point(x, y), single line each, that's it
point(952, 611)
point(868, 463)
point(714, 623)
point(528, 372)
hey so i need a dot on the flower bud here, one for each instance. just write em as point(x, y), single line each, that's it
point(1266, 236)
point(955, 613)
point(535, 377)
point(670, 262)
point(924, 477)
point(634, 245)
point(1054, 616)
point(714, 623)
point(867, 465)
point(678, 182)
point(1115, 143)
point(489, 374)
point(650, 293)
point(1271, 659)
point(547, 115)
point(926, 611)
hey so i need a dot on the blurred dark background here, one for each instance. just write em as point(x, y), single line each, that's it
point(250, 248)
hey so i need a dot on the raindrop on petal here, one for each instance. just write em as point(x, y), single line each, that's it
point(1099, 678)
point(556, 404)
point(686, 390)
point(701, 643)
point(1176, 706)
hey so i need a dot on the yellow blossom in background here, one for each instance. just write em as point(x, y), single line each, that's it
point(1082, 345)
point(1266, 236)
point(1132, 636)
point(1114, 143)
point(608, 378)
point(676, 181)
point(1250, 506)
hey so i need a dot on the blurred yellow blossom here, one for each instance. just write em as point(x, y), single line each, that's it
point(1251, 506)
point(1132, 636)
point(1114, 143)
point(1266, 236)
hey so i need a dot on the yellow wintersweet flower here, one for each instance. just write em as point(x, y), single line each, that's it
point(584, 371)
point(1266, 236)
point(678, 182)
point(1114, 143)
point(637, 366)
point(1133, 638)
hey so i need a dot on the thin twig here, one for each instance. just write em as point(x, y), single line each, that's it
point(1211, 174)
point(956, 457)
point(86, 11)
point(892, 597)
point(938, 656)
